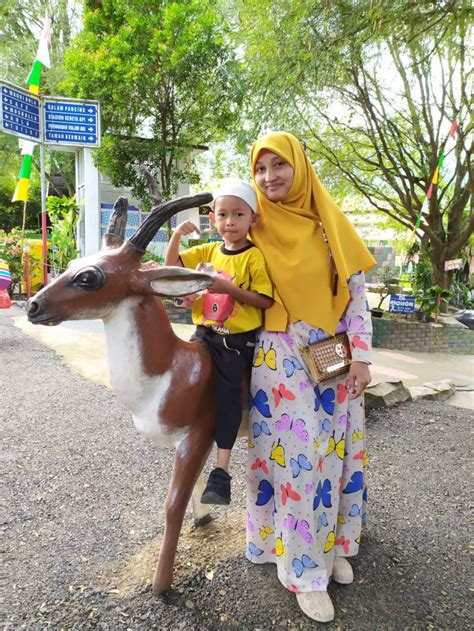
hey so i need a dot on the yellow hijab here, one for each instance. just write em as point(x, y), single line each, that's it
point(290, 236)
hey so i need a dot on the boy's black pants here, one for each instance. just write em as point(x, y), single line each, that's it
point(232, 355)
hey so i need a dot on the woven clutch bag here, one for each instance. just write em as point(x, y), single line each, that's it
point(328, 358)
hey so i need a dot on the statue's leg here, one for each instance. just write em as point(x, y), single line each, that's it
point(200, 511)
point(191, 455)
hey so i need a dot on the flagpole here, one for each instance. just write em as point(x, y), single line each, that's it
point(23, 184)
point(44, 234)
point(434, 180)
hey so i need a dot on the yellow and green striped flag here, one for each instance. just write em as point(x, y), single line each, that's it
point(23, 184)
point(42, 56)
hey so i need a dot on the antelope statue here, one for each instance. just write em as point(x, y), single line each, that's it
point(165, 382)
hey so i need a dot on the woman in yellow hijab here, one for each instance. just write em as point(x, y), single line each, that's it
point(306, 471)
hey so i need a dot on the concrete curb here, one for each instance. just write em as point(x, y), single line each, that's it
point(389, 393)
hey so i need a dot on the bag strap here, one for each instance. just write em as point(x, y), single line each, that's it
point(332, 265)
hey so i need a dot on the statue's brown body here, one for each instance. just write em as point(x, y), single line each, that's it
point(170, 381)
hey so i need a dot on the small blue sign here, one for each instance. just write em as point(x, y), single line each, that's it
point(19, 112)
point(70, 122)
point(402, 304)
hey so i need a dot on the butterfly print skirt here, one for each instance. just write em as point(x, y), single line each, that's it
point(306, 489)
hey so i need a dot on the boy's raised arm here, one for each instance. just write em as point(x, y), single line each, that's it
point(172, 251)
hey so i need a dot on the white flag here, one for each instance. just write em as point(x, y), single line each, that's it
point(45, 40)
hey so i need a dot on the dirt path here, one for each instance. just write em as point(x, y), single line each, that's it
point(83, 519)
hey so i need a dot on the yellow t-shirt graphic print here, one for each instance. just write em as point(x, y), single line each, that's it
point(246, 269)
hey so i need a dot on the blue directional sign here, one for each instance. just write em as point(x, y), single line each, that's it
point(19, 112)
point(71, 122)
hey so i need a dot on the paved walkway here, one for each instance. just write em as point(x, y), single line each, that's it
point(417, 368)
point(85, 353)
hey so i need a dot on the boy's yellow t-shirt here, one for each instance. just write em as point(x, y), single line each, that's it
point(246, 269)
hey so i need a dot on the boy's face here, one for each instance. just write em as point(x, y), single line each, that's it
point(233, 219)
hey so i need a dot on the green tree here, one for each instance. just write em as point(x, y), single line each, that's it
point(20, 26)
point(11, 215)
point(167, 80)
point(372, 87)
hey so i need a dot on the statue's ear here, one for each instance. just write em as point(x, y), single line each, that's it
point(175, 281)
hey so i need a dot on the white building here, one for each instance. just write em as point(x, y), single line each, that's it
point(96, 196)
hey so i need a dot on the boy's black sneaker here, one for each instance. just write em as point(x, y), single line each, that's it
point(217, 489)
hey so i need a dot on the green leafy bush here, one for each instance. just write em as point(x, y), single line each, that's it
point(11, 253)
point(431, 300)
point(64, 215)
point(422, 275)
point(462, 295)
point(149, 256)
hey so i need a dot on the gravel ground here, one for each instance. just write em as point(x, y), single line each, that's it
point(84, 514)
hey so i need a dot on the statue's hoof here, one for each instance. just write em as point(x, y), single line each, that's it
point(160, 589)
point(202, 521)
point(162, 582)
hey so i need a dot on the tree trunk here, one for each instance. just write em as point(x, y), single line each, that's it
point(441, 278)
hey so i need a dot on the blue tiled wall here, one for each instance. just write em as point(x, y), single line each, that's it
point(135, 218)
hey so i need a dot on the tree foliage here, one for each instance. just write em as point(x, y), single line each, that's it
point(373, 88)
point(166, 78)
point(20, 26)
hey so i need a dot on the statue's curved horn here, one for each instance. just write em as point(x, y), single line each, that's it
point(158, 215)
point(115, 233)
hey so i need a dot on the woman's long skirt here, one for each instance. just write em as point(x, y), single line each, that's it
point(306, 489)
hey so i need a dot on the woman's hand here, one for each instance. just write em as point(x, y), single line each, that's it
point(359, 379)
point(221, 286)
point(151, 264)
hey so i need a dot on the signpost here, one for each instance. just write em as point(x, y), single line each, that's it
point(402, 304)
point(452, 264)
point(48, 121)
point(20, 112)
point(71, 122)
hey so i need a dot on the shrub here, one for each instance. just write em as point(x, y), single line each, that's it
point(64, 215)
point(11, 252)
point(432, 299)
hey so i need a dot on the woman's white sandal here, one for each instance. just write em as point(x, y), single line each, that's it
point(316, 605)
point(342, 571)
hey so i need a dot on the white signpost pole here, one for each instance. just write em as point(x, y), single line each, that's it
point(91, 203)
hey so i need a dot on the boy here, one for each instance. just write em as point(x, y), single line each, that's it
point(228, 314)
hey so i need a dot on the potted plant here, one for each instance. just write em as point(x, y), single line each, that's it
point(430, 301)
point(377, 312)
point(389, 286)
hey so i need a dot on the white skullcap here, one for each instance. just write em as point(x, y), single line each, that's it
point(237, 188)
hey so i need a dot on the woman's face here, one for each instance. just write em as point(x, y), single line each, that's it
point(273, 176)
